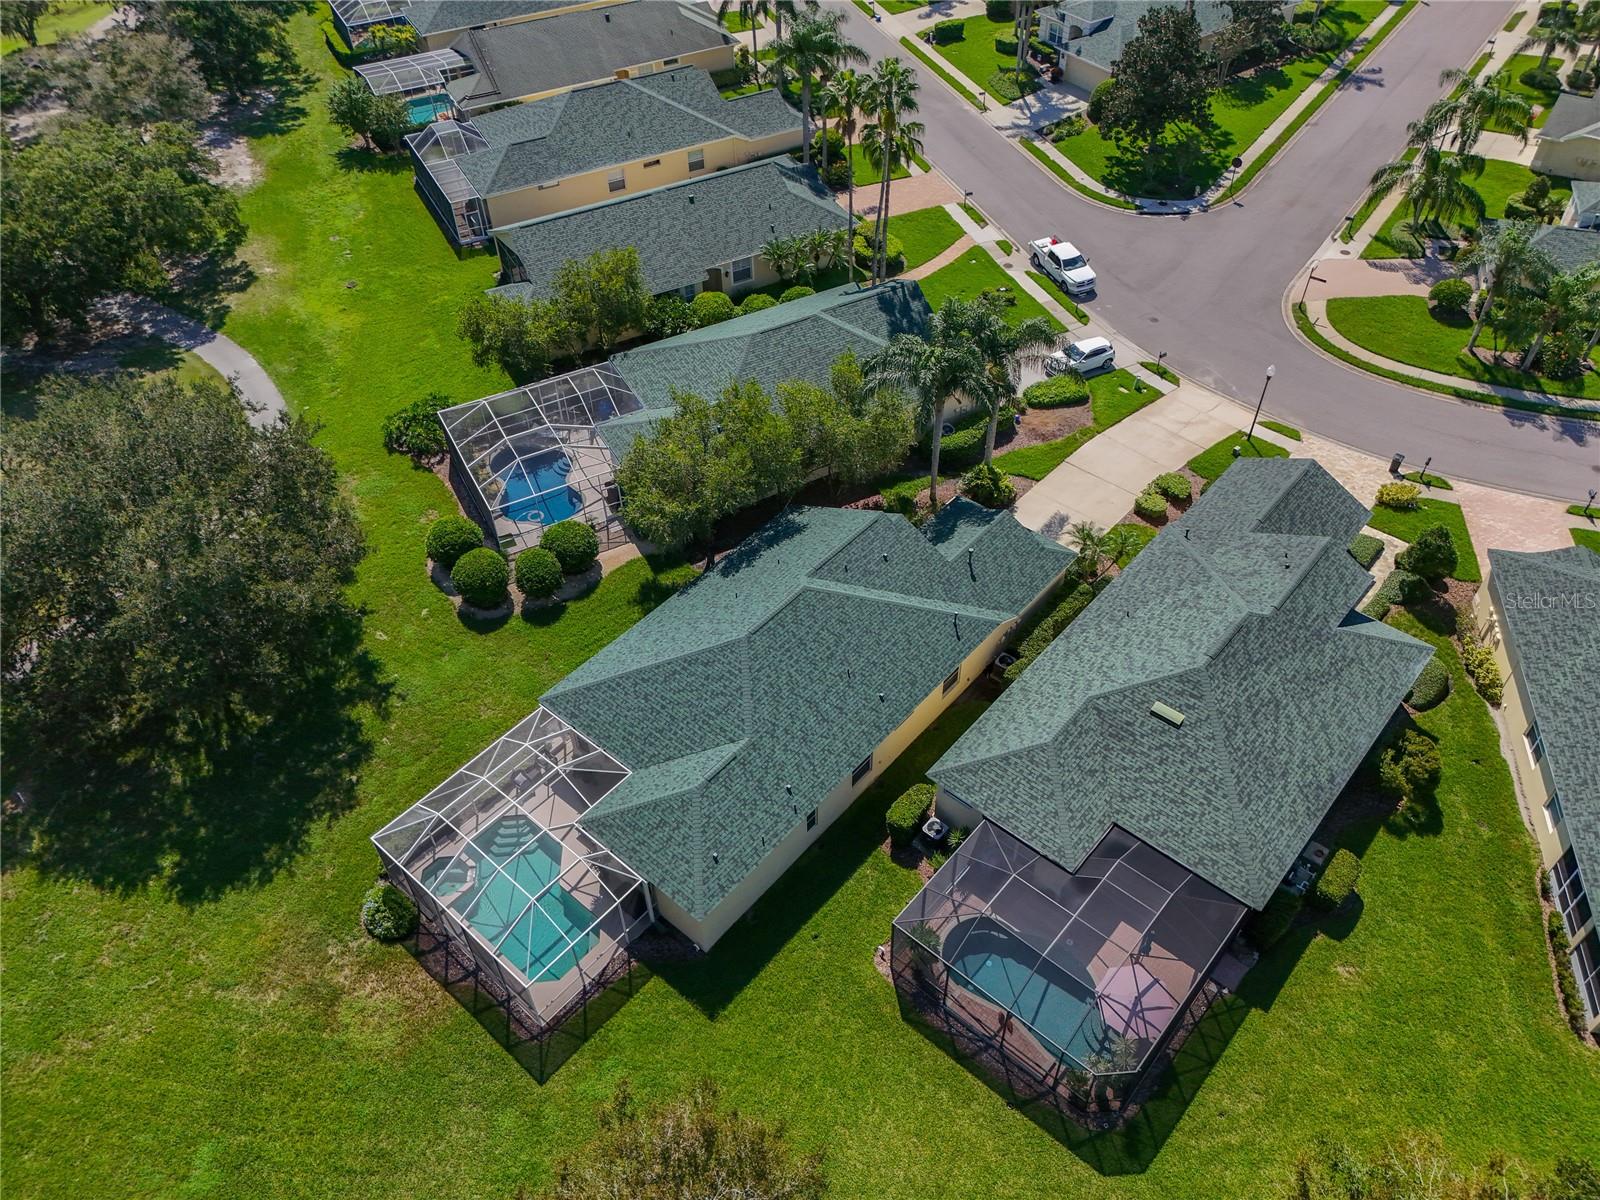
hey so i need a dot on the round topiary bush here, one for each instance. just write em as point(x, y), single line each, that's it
point(538, 573)
point(481, 576)
point(1097, 100)
point(1580, 79)
point(756, 301)
point(1450, 295)
point(988, 485)
point(387, 913)
point(574, 544)
point(1432, 686)
point(1541, 79)
point(1058, 391)
point(450, 537)
point(797, 292)
point(1174, 485)
point(711, 308)
point(1150, 506)
point(894, 252)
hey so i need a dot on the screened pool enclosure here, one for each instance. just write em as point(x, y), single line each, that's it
point(1063, 983)
point(444, 187)
point(530, 457)
point(495, 859)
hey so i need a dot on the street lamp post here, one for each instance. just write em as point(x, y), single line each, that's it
point(1271, 371)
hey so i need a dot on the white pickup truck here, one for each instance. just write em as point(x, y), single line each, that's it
point(1062, 262)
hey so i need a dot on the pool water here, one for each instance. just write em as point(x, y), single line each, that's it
point(1047, 1000)
point(424, 109)
point(536, 489)
point(533, 939)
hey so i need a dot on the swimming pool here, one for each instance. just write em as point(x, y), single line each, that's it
point(423, 109)
point(536, 489)
point(510, 870)
point(1047, 1000)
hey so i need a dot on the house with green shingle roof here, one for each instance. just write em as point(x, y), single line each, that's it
point(1211, 703)
point(588, 145)
point(701, 234)
point(1541, 613)
point(437, 22)
point(753, 707)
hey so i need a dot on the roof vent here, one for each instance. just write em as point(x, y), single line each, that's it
point(715, 857)
point(691, 197)
point(1167, 713)
point(608, 18)
point(885, 556)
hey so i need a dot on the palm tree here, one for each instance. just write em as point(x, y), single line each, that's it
point(1090, 545)
point(1553, 34)
point(1476, 105)
point(1434, 184)
point(933, 371)
point(1569, 299)
point(821, 249)
point(844, 94)
point(782, 255)
point(815, 48)
point(1116, 543)
point(1505, 260)
point(890, 95)
point(1023, 29)
point(750, 12)
point(1007, 349)
point(1586, 27)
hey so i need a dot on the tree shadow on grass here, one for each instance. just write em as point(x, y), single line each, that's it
point(276, 106)
point(372, 162)
point(232, 818)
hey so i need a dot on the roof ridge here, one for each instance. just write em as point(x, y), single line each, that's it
point(707, 117)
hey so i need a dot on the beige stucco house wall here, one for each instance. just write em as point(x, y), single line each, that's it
point(717, 58)
point(1574, 157)
point(439, 39)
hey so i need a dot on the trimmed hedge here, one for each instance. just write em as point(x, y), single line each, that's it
point(988, 485)
point(711, 308)
point(907, 814)
point(1432, 685)
point(964, 447)
point(481, 576)
point(574, 544)
point(1561, 945)
point(945, 32)
point(756, 301)
point(1174, 485)
point(1399, 496)
point(798, 292)
point(894, 252)
point(538, 573)
point(387, 913)
point(1059, 391)
point(1150, 506)
point(1398, 587)
point(1482, 668)
point(1267, 927)
point(1337, 881)
point(1366, 549)
point(1450, 295)
point(450, 537)
point(1069, 603)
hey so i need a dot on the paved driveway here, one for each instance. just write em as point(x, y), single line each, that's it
point(1208, 288)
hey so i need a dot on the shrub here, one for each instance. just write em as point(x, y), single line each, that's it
point(1398, 587)
point(1319, 39)
point(387, 913)
point(945, 32)
point(1097, 100)
point(1000, 10)
point(1432, 555)
point(1058, 391)
point(415, 429)
point(903, 503)
point(1005, 44)
point(1482, 668)
point(1337, 881)
point(1561, 948)
point(538, 573)
point(1071, 601)
point(1366, 549)
point(1450, 295)
point(797, 292)
point(1580, 79)
point(988, 485)
point(1561, 356)
point(1174, 485)
point(835, 142)
point(961, 449)
point(907, 814)
point(1065, 127)
point(711, 308)
point(1408, 767)
point(1267, 927)
point(574, 544)
point(668, 316)
point(1150, 506)
point(1399, 496)
point(1516, 210)
point(756, 301)
point(452, 536)
point(894, 251)
point(1432, 686)
point(1542, 79)
point(838, 173)
point(481, 576)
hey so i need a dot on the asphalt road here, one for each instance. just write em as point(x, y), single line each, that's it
point(1208, 288)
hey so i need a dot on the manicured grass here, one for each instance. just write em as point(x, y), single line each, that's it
point(1406, 329)
point(973, 211)
point(925, 233)
point(1541, 97)
point(70, 17)
point(867, 171)
point(976, 272)
point(1143, 535)
point(734, 23)
point(256, 1045)
point(1060, 296)
point(1165, 372)
point(1113, 396)
point(1512, 22)
point(1408, 524)
point(903, 6)
point(1369, 202)
point(1436, 483)
point(160, 358)
point(1586, 537)
point(1071, 181)
point(1581, 510)
point(1499, 183)
point(1210, 463)
point(916, 51)
point(975, 57)
point(1288, 431)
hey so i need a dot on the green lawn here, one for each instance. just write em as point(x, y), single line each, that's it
point(254, 1044)
point(1540, 97)
point(867, 171)
point(1210, 463)
point(1288, 431)
point(1059, 295)
point(161, 358)
point(1587, 537)
point(925, 233)
point(1142, 536)
point(1113, 396)
point(1499, 182)
point(1406, 329)
point(1408, 524)
point(734, 23)
point(976, 272)
point(975, 57)
point(68, 18)
point(919, 51)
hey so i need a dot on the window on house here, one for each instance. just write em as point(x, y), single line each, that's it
point(862, 771)
point(1553, 813)
point(1535, 742)
point(697, 160)
point(618, 180)
point(811, 819)
point(547, 186)
point(654, 162)
point(687, 292)
point(951, 680)
point(1566, 891)
point(1586, 966)
point(743, 269)
point(669, 62)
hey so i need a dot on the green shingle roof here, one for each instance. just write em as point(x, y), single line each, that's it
point(1109, 25)
point(1239, 617)
point(742, 701)
point(679, 230)
point(1572, 113)
point(438, 16)
point(1549, 604)
point(568, 49)
point(618, 122)
point(797, 340)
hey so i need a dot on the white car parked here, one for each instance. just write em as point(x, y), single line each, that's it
point(1062, 262)
point(1085, 357)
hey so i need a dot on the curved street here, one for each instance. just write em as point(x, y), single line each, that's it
point(1208, 289)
